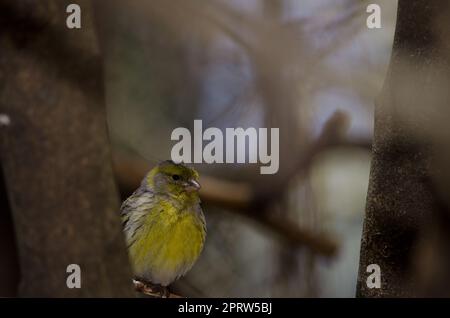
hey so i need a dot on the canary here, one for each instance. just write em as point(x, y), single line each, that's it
point(164, 224)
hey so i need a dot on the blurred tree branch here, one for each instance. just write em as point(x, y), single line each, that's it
point(238, 197)
point(242, 199)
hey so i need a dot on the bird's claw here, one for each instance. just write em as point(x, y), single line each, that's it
point(151, 289)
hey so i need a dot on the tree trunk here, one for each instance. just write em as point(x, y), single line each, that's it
point(55, 153)
point(402, 204)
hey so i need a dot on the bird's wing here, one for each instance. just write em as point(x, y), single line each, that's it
point(133, 209)
point(135, 200)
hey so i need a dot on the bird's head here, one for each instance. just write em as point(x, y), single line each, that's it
point(173, 178)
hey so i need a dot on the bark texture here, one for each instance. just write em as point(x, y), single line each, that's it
point(402, 204)
point(55, 153)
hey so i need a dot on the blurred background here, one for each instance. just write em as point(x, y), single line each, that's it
point(311, 68)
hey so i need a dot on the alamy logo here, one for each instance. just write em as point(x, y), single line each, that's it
point(73, 20)
point(74, 278)
point(374, 19)
point(236, 150)
point(374, 279)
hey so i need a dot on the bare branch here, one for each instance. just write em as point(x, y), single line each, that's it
point(242, 199)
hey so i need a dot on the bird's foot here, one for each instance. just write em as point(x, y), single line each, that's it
point(162, 290)
point(150, 289)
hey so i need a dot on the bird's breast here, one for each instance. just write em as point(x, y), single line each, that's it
point(168, 244)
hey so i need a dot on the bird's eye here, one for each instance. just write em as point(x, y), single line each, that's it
point(175, 177)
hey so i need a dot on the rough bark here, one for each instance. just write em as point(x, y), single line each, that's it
point(55, 153)
point(402, 204)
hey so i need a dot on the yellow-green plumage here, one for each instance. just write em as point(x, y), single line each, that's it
point(164, 224)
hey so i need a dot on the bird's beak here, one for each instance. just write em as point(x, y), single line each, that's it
point(193, 185)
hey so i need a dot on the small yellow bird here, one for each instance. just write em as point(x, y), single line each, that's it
point(164, 224)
